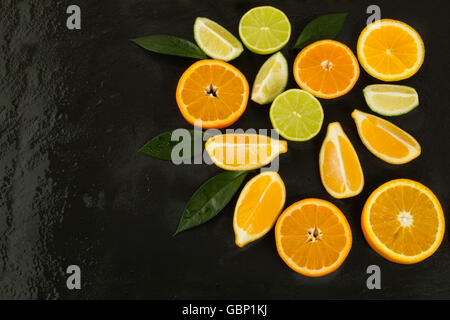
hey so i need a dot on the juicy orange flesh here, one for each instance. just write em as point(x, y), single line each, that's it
point(237, 150)
point(295, 238)
point(261, 205)
point(402, 54)
point(386, 138)
point(228, 88)
point(327, 68)
point(407, 240)
point(333, 176)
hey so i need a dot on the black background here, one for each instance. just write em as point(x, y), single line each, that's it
point(75, 106)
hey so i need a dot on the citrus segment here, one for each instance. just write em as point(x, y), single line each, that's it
point(258, 207)
point(403, 221)
point(243, 151)
point(212, 94)
point(216, 41)
point(264, 30)
point(313, 237)
point(271, 79)
point(296, 115)
point(384, 139)
point(390, 50)
point(390, 99)
point(340, 170)
point(326, 68)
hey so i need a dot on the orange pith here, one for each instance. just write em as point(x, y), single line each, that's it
point(258, 207)
point(212, 94)
point(327, 69)
point(340, 169)
point(313, 237)
point(403, 221)
point(390, 50)
point(385, 140)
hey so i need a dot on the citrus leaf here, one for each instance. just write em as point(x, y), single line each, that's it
point(161, 146)
point(327, 26)
point(210, 198)
point(171, 45)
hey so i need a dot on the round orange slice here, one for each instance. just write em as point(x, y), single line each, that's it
point(403, 221)
point(327, 69)
point(258, 207)
point(384, 139)
point(243, 151)
point(390, 50)
point(313, 237)
point(340, 169)
point(212, 94)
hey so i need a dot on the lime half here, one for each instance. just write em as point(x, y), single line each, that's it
point(297, 115)
point(391, 99)
point(216, 41)
point(264, 30)
point(271, 79)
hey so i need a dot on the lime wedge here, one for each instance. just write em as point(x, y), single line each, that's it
point(390, 99)
point(216, 41)
point(264, 30)
point(271, 79)
point(297, 115)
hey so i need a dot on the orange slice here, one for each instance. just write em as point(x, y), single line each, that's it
point(258, 207)
point(327, 69)
point(212, 94)
point(390, 50)
point(243, 151)
point(384, 139)
point(403, 221)
point(340, 170)
point(313, 237)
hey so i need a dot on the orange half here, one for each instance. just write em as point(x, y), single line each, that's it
point(390, 50)
point(403, 221)
point(212, 94)
point(327, 69)
point(340, 169)
point(313, 237)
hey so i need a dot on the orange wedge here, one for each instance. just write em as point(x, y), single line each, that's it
point(258, 207)
point(390, 50)
point(313, 237)
point(384, 139)
point(340, 170)
point(327, 69)
point(403, 221)
point(243, 151)
point(212, 94)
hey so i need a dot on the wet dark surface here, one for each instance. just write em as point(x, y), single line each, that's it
point(75, 106)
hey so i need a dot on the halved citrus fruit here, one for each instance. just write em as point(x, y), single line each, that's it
point(403, 221)
point(264, 29)
point(243, 151)
point(313, 237)
point(258, 207)
point(384, 139)
point(340, 170)
point(327, 69)
point(212, 94)
point(390, 50)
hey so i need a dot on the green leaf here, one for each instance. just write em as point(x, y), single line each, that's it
point(165, 44)
point(324, 27)
point(210, 198)
point(161, 147)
